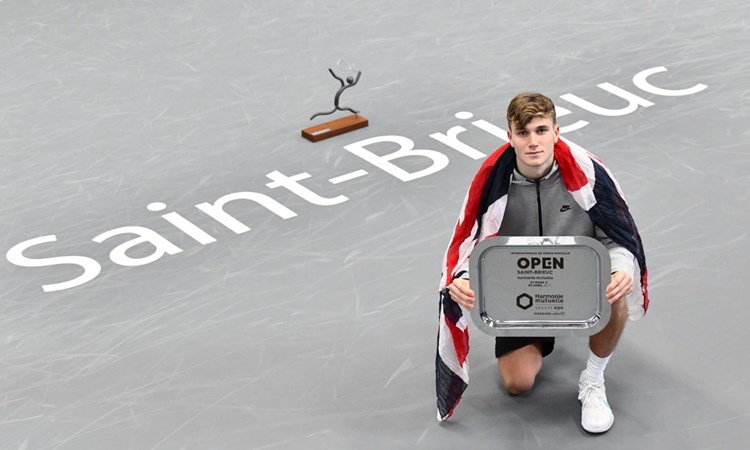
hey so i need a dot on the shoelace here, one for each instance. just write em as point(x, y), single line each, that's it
point(593, 392)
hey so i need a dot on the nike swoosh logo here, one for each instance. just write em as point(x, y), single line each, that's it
point(565, 208)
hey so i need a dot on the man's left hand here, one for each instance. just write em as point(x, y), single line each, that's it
point(620, 286)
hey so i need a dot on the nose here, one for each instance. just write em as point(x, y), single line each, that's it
point(533, 140)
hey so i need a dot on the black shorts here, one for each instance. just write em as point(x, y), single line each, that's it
point(504, 345)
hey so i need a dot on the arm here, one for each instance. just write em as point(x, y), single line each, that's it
point(461, 293)
point(623, 267)
point(336, 77)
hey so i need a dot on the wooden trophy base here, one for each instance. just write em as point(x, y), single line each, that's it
point(334, 127)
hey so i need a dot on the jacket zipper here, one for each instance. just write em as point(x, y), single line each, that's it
point(539, 206)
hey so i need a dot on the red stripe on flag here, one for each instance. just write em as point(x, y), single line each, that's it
point(463, 229)
point(571, 173)
point(460, 341)
point(644, 289)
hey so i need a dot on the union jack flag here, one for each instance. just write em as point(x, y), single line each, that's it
point(592, 186)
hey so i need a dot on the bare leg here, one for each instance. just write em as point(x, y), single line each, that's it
point(349, 109)
point(604, 342)
point(596, 414)
point(519, 368)
point(323, 113)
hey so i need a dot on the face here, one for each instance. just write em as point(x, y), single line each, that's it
point(534, 145)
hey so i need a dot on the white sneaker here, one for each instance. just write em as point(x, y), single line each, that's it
point(596, 415)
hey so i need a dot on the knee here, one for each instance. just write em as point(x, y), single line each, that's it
point(519, 368)
point(517, 384)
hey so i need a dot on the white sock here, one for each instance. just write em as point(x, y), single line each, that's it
point(595, 367)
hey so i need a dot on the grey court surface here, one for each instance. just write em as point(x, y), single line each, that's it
point(308, 318)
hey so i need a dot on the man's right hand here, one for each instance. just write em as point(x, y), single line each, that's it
point(461, 293)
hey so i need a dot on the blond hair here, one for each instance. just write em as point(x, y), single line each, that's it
point(527, 106)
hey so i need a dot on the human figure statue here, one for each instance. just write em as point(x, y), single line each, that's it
point(344, 86)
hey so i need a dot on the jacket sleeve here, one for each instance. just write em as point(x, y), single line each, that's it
point(622, 259)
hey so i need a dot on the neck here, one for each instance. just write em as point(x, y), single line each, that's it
point(534, 173)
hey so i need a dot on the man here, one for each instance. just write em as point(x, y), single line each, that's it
point(537, 186)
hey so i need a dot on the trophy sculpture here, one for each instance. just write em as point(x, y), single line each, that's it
point(339, 126)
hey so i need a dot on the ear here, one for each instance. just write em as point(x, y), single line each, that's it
point(509, 135)
point(557, 132)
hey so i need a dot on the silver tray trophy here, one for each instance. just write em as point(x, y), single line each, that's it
point(540, 286)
